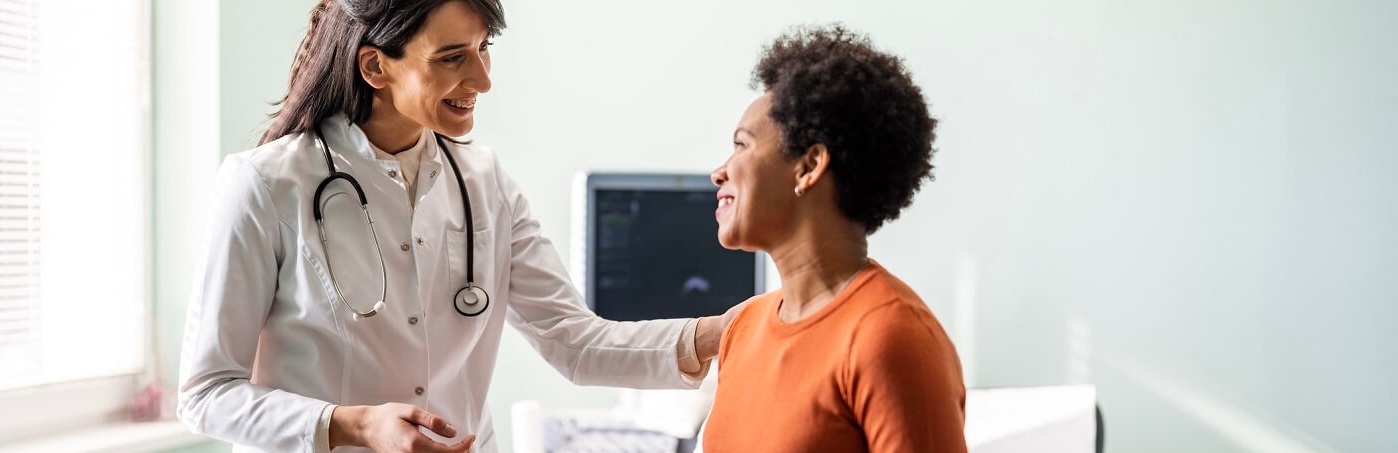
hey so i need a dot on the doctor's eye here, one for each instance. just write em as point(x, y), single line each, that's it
point(485, 46)
point(451, 59)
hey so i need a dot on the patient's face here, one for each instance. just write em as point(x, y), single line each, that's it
point(755, 184)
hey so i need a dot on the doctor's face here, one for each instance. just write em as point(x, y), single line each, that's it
point(443, 69)
point(755, 184)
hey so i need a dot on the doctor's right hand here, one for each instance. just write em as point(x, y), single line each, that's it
point(392, 428)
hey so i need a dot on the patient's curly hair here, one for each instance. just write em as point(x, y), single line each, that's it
point(830, 86)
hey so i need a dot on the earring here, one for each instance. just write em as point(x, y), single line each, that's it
point(799, 192)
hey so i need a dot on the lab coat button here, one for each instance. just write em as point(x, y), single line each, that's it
point(393, 173)
point(419, 240)
point(404, 246)
point(412, 320)
point(418, 390)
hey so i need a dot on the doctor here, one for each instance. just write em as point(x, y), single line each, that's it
point(361, 264)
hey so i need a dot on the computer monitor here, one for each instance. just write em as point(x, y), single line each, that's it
point(646, 246)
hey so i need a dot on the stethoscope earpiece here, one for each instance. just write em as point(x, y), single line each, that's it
point(471, 300)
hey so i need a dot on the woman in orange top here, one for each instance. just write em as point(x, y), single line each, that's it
point(844, 357)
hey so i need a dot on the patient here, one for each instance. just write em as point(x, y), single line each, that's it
point(845, 357)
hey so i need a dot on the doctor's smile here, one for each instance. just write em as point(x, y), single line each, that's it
point(462, 107)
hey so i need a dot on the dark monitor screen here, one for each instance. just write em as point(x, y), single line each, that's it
point(653, 253)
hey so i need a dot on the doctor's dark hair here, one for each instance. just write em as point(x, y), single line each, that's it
point(830, 86)
point(325, 77)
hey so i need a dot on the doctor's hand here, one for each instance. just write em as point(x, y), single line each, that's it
point(392, 428)
point(709, 333)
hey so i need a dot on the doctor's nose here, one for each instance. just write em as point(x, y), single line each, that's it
point(479, 84)
point(477, 78)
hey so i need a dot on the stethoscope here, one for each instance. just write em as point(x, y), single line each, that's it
point(470, 300)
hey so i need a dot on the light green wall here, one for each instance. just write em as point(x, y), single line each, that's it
point(257, 40)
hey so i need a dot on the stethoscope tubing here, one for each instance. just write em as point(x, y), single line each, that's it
point(470, 222)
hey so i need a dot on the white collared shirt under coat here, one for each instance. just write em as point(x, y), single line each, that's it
point(267, 345)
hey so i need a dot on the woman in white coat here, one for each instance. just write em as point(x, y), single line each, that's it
point(364, 334)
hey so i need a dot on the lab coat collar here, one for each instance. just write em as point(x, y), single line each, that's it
point(345, 135)
point(429, 166)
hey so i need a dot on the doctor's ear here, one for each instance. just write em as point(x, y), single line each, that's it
point(812, 166)
point(371, 67)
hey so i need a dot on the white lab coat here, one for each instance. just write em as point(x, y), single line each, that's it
point(267, 345)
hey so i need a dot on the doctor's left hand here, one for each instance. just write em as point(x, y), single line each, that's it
point(392, 428)
point(709, 332)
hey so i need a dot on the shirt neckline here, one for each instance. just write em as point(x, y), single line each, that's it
point(775, 323)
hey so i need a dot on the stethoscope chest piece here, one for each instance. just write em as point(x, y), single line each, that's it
point(471, 301)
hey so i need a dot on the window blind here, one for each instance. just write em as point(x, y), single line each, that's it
point(74, 190)
point(20, 227)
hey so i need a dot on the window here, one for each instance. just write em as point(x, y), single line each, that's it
point(74, 202)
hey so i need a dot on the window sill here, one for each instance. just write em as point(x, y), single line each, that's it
point(126, 437)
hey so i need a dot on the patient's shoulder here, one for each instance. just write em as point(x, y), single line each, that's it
point(900, 330)
point(751, 313)
point(748, 319)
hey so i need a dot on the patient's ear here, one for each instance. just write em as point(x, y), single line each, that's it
point(371, 67)
point(812, 166)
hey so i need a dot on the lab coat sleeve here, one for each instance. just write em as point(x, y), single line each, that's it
point(233, 294)
point(586, 349)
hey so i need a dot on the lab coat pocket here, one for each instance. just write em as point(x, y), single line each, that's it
point(483, 271)
point(350, 266)
point(326, 299)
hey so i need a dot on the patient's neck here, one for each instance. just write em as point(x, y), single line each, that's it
point(815, 264)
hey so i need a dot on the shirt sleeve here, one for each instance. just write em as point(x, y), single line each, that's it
point(233, 294)
point(322, 440)
point(583, 347)
point(904, 383)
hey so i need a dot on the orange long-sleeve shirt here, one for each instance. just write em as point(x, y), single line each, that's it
point(872, 371)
